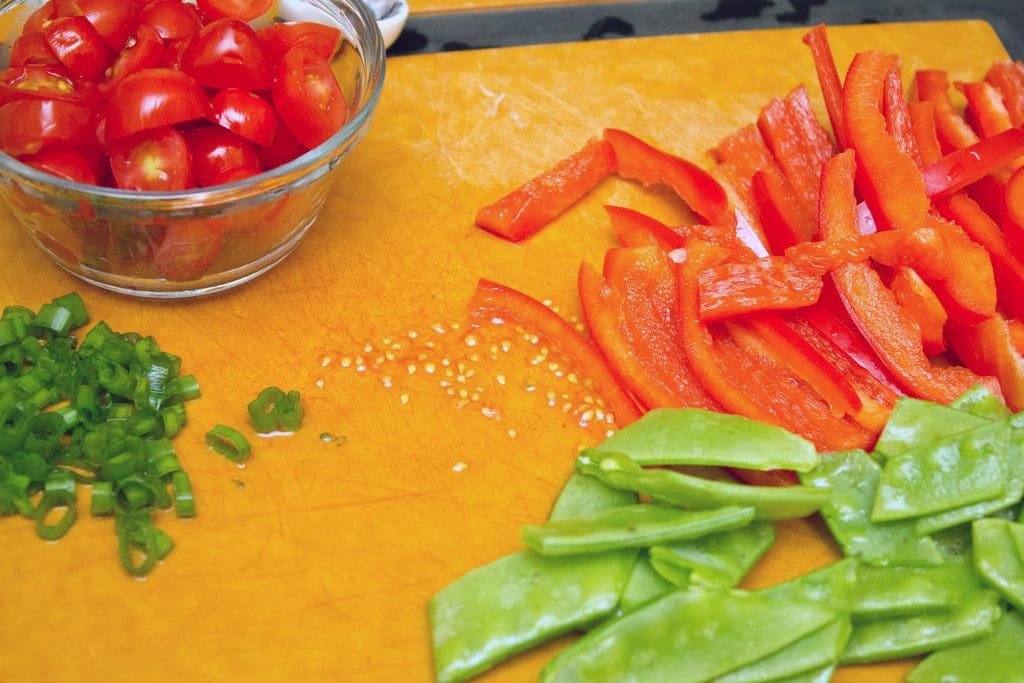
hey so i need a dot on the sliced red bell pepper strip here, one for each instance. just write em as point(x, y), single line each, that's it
point(1008, 79)
point(986, 105)
point(916, 298)
point(785, 138)
point(738, 191)
point(815, 137)
point(635, 324)
point(966, 166)
point(1013, 212)
point(1007, 268)
point(784, 220)
point(730, 288)
point(628, 224)
point(989, 348)
point(496, 301)
point(888, 179)
point(922, 120)
point(746, 149)
point(953, 131)
point(894, 337)
point(897, 114)
point(1016, 328)
point(524, 211)
point(828, 78)
point(639, 161)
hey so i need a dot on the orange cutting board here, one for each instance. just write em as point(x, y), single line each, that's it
point(316, 560)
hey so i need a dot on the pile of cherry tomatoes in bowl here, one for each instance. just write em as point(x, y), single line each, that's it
point(164, 95)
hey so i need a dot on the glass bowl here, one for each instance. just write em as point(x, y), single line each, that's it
point(196, 242)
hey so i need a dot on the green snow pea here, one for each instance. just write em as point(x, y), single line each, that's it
point(808, 655)
point(1016, 530)
point(720, 560)
point(914, 423)
point(633, 526)
point(666, 486)
point(950, 473)
point(690, 436)
point(644, 585)
point(974, 617)
point(852, 477)
point(886, 592)
point(998, 657)
point(521, 600)
point(997, 560)
point(981, 402)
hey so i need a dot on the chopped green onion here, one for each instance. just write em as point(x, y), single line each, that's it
point(49, 502)
point(290, 412)
point(60, 480)
point(182, 389)
point(228, 442)
point(184, 504)
point(274, 410)
point(102, 499)
point(135, 531)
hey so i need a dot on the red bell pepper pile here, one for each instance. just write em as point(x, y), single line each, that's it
point(789, 302)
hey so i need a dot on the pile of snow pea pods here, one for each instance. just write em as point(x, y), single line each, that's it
point(928, 524)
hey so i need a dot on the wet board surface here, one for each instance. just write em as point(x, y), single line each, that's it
point(316, 560)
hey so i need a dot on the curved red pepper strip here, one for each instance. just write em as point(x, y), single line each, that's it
point(897, 114)
point(961, 168)
point(989, 347)
point(524, 211)
point(639, 161)
point(888, 179)
point(894, 337)
point(918, 299)
point(785, 138)
point(987, 108)
point(816, 139)
point(953, 131)
point(728, 289)
point(922, 120)
point(1008, 79)
point(828, 78)
point(783, 219)
point(626, 223)
point(493, 300)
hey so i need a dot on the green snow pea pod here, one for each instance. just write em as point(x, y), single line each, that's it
point(720, 560)
point(852, 477)
point(886, 592)
point(633, 526)
point(978, 400)
point(996, 559)
point(1016, 530)
point(974, 617)
point(691, 436)
point(521, 600)
point(998, 657)
point(914, 423)
point(666, 486)
point(644, 585)
point(950, 473)
point(808, 655)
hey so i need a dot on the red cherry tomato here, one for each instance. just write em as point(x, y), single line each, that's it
point(150, 98)
point(244, 113)
point(78, 46)
point(279, 38)
point(174, 52)
point(44, 82)
point(308, 98)
point(146, 53)
point(113, 19)
point(246, 10)
point(227, 54)
point(234, 175)
point(172, 19)
point(155, 160)
point(29, 126)
point(32, 48)
point(215, 151)
point(188, 249)
point(68, 164)
point(282, 149)
point(53, 9)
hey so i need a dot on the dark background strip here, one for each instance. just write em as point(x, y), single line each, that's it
point(468, 30)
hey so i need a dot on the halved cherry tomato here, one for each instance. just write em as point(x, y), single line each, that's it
point(174, 53)
point(146, 53)
point(227, 54)
point(78, 46)
point(112, 19)
point(150, 98)
point(282, 149)
point(172, 19)
point(32, 48)
point(244, 113)
point(155, 160)
point(29, 126)
point(188, 249)
point(53, 9)
point(68, 164)
point(233, 175)
point(43, 82)
point(279, 38)
point(246, 10)
point(308, 98)
point(215, 151)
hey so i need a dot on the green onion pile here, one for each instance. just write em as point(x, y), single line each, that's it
point(101, 412)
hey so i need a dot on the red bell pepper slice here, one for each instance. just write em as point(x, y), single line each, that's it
point(493, 300)
point(1016, 328)
point(730, 288)
point(888, 178)
point(784, 220)
point(922, 120)
point(1013, 212)
point(986, 106)
point(738, 191)
point(1008, 78)
point(966, 166)
point(989, 348)
point(524, 211)
point(954, 133)
point(918, 299)
point(894, 337)
point(635, 229)
point(897, 114)
point(828, 78)
point(632, 318)
point(639, 161)
point(815, 136)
